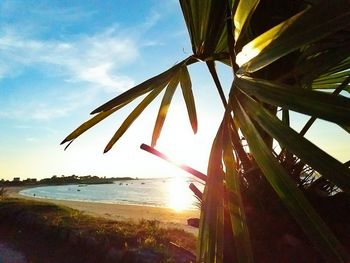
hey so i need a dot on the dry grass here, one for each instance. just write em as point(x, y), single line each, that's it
point(3, 192)
point(47, 217)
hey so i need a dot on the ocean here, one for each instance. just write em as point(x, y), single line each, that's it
point(161, 192)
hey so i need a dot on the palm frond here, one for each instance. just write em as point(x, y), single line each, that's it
point(297, 144)
point(186, 87)
point(321, 20)
point(314, 227)
point(90, 123)
point(205, 22)
point(243, 13)
point(319, 104)
point(163, 110)
point(236, 209)
point(144, 87)
point(211, 230)
point(133, 115)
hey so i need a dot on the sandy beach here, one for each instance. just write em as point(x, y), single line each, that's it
point(166, 216)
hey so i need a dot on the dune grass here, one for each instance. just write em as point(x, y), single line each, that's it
point(102, 235)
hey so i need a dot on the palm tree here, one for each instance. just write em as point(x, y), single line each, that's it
point(270, 193)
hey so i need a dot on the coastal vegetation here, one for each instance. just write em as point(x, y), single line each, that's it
point(62, 180)
point(270, 195)
point(46, 232)
point(3, 192)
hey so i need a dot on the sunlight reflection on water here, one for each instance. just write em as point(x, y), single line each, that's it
point(163, 192)
point(179, 195)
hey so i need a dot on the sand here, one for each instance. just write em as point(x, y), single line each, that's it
point(166, 216)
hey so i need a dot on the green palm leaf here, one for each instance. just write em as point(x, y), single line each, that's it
point(133, 115)
point(333, 79)
point(90, 123)
point(314, 227)
point(294, 142)
point(186, 87)
point(321, 20)
point(318, 68)
point(163, 110)
point(314, 103)
point(336, 91)
point(235, 204)
point(144, 87)
point(206, 22)
point(211, 228)
point(243, 13)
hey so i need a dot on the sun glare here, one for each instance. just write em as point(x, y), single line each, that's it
point(179, 195)
point(180, 144)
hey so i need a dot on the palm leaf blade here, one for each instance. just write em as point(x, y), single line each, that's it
point(212, 212)
point(305, 150)
point(314, 103)
point(163, 110)
point(235, 204)
point(243, 12)
point(321, 20)
point(315, 70)
point(90, 123)
point(186, 87)
point(314, 227)
point(205, 21)
point(144, 87)
point(132, 117)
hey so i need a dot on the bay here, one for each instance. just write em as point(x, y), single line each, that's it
point(160, 192)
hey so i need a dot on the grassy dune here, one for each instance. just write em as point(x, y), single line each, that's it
point(89, 238)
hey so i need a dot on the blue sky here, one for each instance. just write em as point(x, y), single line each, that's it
point(59, 60)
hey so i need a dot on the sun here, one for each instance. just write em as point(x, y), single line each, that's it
point(178, 142)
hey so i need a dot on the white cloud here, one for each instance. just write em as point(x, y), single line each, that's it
point(31, 139)
point(42, 112)
point(93, 59)
point(91, 62)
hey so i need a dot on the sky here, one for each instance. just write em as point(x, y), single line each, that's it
point(59, 60)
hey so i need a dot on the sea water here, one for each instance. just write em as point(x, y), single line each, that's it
point(161, 192)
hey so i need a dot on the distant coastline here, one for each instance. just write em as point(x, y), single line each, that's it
point(63, 180)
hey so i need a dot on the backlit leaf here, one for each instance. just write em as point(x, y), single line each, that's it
point(321, 20)
point(242, 15)
point(90, 123)
point(300, 146)
point(132, 117)
point(313, 103)
point(205, 21)
point(319, 68)
point(211, 229)
point(313, 226)
point(163, 110)
point(144, 87)
point(235, 205)
point(186, 87)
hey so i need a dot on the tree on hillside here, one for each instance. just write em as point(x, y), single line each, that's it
point(271, 195)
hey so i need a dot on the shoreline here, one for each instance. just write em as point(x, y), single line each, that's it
point(120, 212)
